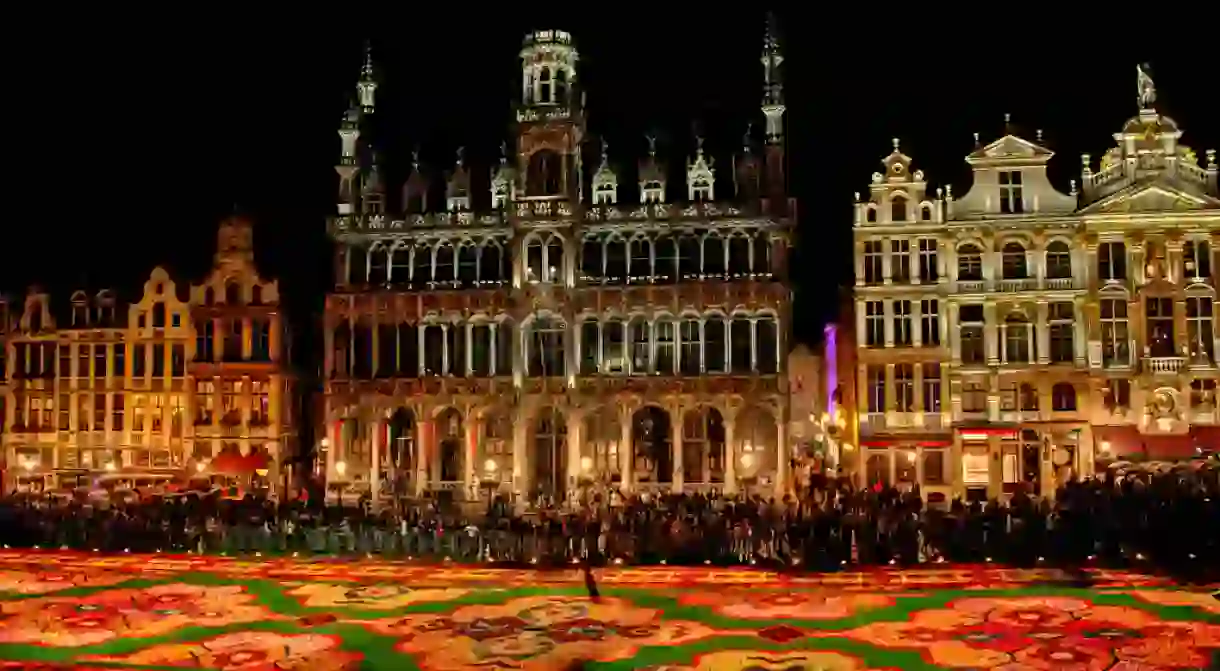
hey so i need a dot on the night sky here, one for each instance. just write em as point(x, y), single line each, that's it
point(130, 157)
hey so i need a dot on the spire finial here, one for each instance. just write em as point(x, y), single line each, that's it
point(1038, 134)
point(895, 143)
point(976, 139)
point(504, 152)
point(1147, 89)
point(605, 150)
point(1007, 118)
point(652, 145)
point(366, 70)
point(415, 159)
point(745, 139)
point(461, 156)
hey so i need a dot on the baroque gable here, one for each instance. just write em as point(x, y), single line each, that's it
point(1009, 147)
point(1148, 198)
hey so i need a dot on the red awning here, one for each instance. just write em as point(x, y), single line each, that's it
point(233, 463)
point(1126, 442)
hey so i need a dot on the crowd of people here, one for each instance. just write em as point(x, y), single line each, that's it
point(1169, 519)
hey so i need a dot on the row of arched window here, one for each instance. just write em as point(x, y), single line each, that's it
point(611, 258)
point(665, 345)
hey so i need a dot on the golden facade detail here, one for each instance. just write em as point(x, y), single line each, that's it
point(102, 391)
point(1016, 336)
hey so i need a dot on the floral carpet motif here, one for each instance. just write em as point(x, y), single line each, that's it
point(1046, 633)
point(73, 611)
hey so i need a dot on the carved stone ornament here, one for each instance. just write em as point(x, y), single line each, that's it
point(1163, 404)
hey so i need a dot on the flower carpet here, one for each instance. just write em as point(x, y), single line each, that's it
point(90, 611)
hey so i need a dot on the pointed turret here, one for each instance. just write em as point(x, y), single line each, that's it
point(503, 180)
point(373, 193)
point(700, 176)
point(457, 192)
point(415, 190)
point(605, 181)
point(652, 175)
point(747, 169)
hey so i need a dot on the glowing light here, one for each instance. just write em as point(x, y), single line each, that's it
point(341, 467)
point(490, 465)
point(586, 464)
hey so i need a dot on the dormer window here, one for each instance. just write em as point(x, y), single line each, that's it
point(1011, 194)
point(544, 86)
point(604, 195)
point(80, 314)
point(652, 191)
point(499, 196)
point(701, 190)
point(459, 204)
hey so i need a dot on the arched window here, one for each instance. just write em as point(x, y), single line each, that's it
point(713, 255)
point(232, 293)
point(870, 214)
point(1063, 397)
point(1058, 261)
point(1013, 262)
point(925, 212)
point(898, 208)
point(400, 451)
point(491, 268)
point(256, 295)
point(544, 86)
point(969, 263)
point(449, 434)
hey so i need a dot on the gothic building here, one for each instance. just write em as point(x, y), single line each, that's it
point(582, 329)
point(1016, 336)
point(182, 383)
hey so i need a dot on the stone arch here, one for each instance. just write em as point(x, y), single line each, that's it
point(757, 438)
point(544, 175)
point(703, 446)
point(651, 445)
point(449, 442)
point(549, 440)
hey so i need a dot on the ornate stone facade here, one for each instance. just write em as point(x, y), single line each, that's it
point(1020, 335)
point(179, 384)
point(557, 339)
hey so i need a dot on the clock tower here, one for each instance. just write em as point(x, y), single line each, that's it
point(550, 118)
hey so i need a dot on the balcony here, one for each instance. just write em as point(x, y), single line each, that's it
point(1018, 285)
point(873, 423)
point(971, 286)
point(1058, 283)
point(1164, 365)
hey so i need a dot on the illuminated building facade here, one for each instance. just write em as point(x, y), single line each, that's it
point(570, 329)
point(1017, 335)
point(103, 390)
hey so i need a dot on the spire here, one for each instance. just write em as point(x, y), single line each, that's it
point(773, 110)
point(367, 86)
point(652, 175)
point(773, 86)
point(700, 176)
point(348, 166)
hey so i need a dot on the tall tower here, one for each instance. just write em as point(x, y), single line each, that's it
point(773, 109)
point(349, 136)
point(550, 118)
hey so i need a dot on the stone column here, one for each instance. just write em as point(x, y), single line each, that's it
point(730, 456)
point(991, 334)
point(520, 458)
point(781, 455)
point(1043, 333)
point(575, 421)
point(956, 480)
point(626, 452)
point(423, 452)
point(470, 481)
point(1046, 468)
point(378, 442)
point(678, 477)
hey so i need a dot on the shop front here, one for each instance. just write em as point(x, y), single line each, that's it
point(1000, 461)
point(906, 461)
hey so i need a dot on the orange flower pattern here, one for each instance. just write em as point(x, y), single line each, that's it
point(247, 651)
point(787, 604)
point(1063, 634)
point(284, 615)
point(536, 633)
point(125, 613)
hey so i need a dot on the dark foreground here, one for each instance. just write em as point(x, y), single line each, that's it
point(65, 610)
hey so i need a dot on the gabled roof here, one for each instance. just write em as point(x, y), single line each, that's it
point(1010, 147)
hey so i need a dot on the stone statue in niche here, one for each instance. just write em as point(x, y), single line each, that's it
point(1155, 267)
